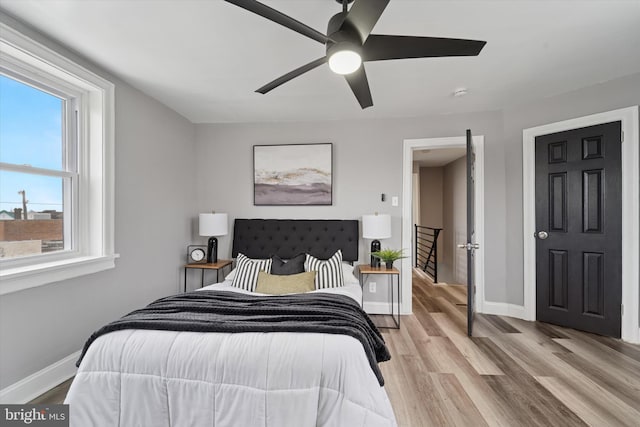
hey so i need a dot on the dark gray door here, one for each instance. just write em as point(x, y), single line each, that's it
point(471, 245)
point(579, 228)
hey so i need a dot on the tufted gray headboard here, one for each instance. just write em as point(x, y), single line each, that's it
point(262, 238)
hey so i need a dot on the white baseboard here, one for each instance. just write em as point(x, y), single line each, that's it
point(34, 385)
point(503, 309)
point(378, 307)
point(383, 308)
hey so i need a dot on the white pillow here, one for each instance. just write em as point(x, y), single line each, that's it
point(231, 275)
point(247, 270)
point(329, 273)
point(349, 277)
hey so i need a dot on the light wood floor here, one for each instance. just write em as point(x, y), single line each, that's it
point(511, 373)
point(53, 396)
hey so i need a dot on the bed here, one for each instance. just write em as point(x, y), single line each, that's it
point(147, 377)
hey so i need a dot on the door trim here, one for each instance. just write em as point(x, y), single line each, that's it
point(409, 146)
point(628, 117)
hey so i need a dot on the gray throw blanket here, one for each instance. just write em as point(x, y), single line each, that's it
point(218, 311)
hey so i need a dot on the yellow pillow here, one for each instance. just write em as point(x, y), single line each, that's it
point(290, 284)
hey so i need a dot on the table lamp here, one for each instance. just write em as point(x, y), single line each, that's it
point(376, 227)
point(213, 224)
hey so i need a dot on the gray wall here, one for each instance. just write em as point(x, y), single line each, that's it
point(363, 149)
point(619, 93)
point(431, 208)
point(455, 221)
point(155, 201)
point(431, 197)
point(367, 161)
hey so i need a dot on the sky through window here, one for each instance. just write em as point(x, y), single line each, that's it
point(30, 134)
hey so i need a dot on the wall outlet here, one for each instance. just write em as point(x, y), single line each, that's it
point(394, 201)
point(372, 287)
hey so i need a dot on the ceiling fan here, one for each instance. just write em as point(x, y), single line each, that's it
point(349, 42)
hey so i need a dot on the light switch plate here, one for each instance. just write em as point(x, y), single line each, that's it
point(394, 201)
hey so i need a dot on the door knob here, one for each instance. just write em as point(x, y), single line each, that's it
point(542, 235)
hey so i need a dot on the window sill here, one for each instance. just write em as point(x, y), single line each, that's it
point(20, 278)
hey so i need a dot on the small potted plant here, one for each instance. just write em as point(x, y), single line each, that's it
point(389, 256)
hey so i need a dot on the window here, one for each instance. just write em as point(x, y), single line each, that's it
point(56, 166)
point(38, 168)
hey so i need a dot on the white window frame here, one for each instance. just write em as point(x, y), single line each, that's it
point(30, 76)
point(89, 246)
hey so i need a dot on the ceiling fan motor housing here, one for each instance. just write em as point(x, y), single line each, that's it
point(343, 36)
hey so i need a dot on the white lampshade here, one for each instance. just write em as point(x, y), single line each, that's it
point(213, 224)
point(376, 226)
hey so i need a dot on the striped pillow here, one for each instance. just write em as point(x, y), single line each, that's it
point(328, 273)
point(247, 270)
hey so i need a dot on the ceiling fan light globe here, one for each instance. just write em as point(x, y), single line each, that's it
point(345, 62)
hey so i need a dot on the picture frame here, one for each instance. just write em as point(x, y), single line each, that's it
point(293, 175)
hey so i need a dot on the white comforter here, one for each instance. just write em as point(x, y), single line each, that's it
point(165, 378)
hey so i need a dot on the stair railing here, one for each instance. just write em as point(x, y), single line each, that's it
point(426, 250)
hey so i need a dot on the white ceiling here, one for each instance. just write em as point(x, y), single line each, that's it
point(438, 157)
point(205, 58)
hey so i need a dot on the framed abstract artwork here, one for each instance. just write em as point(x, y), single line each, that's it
point(293, 174)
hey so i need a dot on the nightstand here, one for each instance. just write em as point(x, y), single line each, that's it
point(217, 266)
point(394, 277)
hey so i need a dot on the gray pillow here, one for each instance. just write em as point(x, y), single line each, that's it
point(285, 268)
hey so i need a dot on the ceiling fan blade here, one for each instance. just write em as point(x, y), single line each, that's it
point(364, 14)
point(280, 18)
point(382, 47)
point(360, 86)
point(292, 75)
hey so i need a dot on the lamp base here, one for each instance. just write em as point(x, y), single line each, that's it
point(375, 247)
point(212, 250)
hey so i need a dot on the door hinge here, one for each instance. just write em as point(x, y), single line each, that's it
point(621, 136)
point(622, 309)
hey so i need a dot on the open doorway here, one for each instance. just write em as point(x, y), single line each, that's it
point(439, 209)
point(411, 212)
